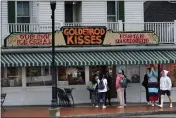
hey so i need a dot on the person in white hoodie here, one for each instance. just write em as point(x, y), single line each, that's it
point(165, 87)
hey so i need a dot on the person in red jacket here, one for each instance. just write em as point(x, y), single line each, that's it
point(120, 90)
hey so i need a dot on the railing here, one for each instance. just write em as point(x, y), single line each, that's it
point(164, 30)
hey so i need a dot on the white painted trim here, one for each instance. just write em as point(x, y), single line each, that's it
point(175, 31)
point(23, 76)
point(87, 74)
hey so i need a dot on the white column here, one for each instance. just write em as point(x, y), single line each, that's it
point(175, 31)
point(5, 72)
point(23, 76)
point(120, 24)
point(86, 75)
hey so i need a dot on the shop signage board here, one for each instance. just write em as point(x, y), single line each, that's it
point(80, 36)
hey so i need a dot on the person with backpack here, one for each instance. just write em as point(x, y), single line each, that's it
point(92, 88)
point(102, 89)
point(121, 84)
point(128, 81)
point(145, 84)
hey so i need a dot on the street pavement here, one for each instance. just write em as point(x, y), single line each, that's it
point(157, 116)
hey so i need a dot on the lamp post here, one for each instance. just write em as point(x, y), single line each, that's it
point(53, 65)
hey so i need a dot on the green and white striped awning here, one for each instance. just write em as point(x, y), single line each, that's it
point(88, 58)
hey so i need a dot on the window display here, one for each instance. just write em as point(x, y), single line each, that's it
point(13, 78)
point(74, 75)
point(38, 76)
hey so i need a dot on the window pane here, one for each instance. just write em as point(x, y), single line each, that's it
point(110, 7)
point(73, 75)
point(117, 10)
point(13, 79)
point(19, 8)
point(111, 18)
point(23, 20)
point(26, 8)
point(34, 77)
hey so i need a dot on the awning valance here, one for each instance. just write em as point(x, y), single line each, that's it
point(88, 58)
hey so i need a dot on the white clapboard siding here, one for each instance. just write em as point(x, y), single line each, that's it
point(4, 21)
point(134, 12)
point(94, 11)
point(34, 11)
point(45, 12)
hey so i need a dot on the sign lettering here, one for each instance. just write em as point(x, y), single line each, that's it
point(84, 35)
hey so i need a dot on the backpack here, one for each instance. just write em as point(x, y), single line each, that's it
point(91, 87)
point(123, 82)
point(101, 85)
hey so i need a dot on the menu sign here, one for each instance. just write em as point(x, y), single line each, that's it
point(33, 39)
point(131, 38)
point(84, 35)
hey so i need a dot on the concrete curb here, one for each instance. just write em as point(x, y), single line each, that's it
point(122, 114)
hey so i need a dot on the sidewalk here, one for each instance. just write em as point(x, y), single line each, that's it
point(77, 111)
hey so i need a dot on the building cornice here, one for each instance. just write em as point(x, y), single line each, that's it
point(89, 49)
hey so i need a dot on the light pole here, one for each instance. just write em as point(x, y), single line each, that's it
point(53, 65)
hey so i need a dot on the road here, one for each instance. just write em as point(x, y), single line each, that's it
point(157, 116)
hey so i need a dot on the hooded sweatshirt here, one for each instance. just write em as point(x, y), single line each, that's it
point(165, 81)
point(119, 76)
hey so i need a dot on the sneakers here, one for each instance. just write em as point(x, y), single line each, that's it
point(152, 104)
point(149, 103)
point(120, 107)
point(96, 106)
point(161, 106)
point(103, 106)
point(170, 105)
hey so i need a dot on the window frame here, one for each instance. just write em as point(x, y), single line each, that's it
point(16, 12)
point(116, 5)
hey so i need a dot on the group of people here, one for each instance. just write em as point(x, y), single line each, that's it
point(101, 85)
point(155, 90)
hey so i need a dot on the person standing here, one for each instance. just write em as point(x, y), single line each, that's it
point(145, 84)
point(165, 87)
point(109, 80)
point(152, 74)
point(120, 89)
point(128, 81)
point(102, 90)
point(93, 90)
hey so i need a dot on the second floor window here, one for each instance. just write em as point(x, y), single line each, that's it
point(23, 12)
point(112, 11)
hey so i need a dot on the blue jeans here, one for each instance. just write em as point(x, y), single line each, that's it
point(103, 96)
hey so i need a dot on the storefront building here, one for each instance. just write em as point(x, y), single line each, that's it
point(80, 52)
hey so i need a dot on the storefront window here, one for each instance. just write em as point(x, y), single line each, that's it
point(98, 69)
point(38, 76)
point(13, 78)
point(74, 75)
